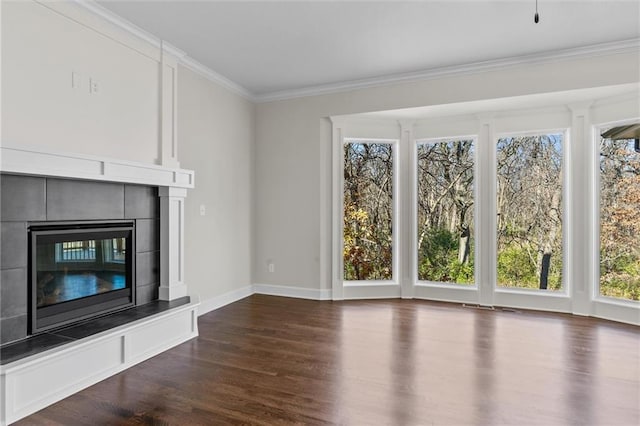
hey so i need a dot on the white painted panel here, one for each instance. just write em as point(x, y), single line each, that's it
point(33, 162)
point(533, 300)
point(533, 121)
point(153, 338)
point(617, 311)
point(378, 291)
point(446, 293)
point(371, 129)
point(40, 50)
point(445, 128)
point(181, 178)
point(40, 382)
point(607, 112)
point(141, 174)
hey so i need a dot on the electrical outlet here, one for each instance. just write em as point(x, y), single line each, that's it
point(94, 86)
point(76, 80)
point(271, 267)
point(203, 210)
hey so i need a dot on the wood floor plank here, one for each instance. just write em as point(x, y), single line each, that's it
point(269, 360)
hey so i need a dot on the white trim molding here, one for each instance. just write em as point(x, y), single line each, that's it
point(43, 162)
point(225, 299)
point(217, 302)
point(297, 292)
point(602, 49)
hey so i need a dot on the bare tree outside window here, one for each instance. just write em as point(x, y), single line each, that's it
point(619, 219)
point(445, 211)
point(529, 208)
point(368, 211)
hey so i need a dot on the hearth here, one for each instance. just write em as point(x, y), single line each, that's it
point(79, 270)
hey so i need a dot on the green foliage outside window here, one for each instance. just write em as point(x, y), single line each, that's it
point(529, 211)
point(445, 212)
point(368, 211)
point(619, 221)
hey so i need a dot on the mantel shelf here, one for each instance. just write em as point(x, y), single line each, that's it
point(39, 162)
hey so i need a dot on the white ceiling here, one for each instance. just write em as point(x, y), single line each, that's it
point(275, 46)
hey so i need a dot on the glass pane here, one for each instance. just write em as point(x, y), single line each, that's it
point(445, 212)
point(619, 222)
point(75, 269)
point(368, 211)
point(76, 250)
point(529, 207)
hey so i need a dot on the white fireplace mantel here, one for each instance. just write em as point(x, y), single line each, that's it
point(81, 364)
point(173, 184)
point(42, 162)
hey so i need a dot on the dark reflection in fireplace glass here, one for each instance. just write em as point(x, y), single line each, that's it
point(76, 269)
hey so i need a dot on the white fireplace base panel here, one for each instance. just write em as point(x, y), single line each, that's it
point(33, 383)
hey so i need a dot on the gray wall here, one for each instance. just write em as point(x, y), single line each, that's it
point(27, 199)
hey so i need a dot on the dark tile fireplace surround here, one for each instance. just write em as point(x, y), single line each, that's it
point(28, 199)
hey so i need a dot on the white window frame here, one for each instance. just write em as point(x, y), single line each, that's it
point(579, 122)
point(535, 298)
point(604, 303)
point(414, 217)
point(339, 201)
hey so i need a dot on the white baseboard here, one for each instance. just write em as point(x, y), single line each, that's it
point(224, 299)
point(297, 292)
point(217, 302)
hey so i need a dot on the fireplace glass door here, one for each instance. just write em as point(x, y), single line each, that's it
point(78, 272)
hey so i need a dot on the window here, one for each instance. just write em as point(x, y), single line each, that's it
point(114, 250)
point(529, 211)
point(111, 250)
point(76, 251)
point(368, 210)
point(619, 220)
point(445, 203)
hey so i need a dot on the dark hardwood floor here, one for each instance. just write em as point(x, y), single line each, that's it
point(270, 360)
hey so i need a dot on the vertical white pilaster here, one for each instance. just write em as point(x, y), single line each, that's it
point(406, 216)
point(337, 289)
point(168, 109)
point(172, 284)
point(485, 211)
point(581, 232)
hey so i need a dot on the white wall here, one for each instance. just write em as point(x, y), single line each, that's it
point(293, 153)
point(215, 129)
point(41, 48)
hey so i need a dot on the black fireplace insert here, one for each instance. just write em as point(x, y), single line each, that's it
point(78, 271)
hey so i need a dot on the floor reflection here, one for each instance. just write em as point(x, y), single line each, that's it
point(57, 287)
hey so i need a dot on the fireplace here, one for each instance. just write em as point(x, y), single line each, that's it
point(42, 191)
point(78, 270)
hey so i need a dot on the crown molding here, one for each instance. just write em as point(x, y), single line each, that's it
point(183, 59)
point(214, 77)
point(611, 48)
